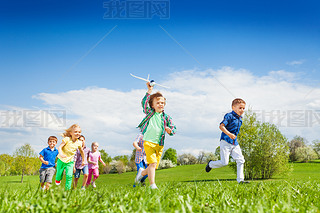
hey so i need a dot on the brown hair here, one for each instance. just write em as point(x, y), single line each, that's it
point(82, 136)
point(238, 101)
point(68, 131)
point(155, 95)
point(53, 138)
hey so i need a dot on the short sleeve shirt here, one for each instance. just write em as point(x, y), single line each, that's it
point(94, 157)
point(78, 158)
point(232, 121)
point(50, 156)
point(69, 149)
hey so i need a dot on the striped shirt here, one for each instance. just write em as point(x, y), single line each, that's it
point(140, 155)
point(167, 121)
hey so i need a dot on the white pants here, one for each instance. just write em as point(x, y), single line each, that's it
point(227, 149)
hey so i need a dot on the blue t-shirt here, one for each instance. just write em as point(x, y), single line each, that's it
point(50, 156)
point(232, 121)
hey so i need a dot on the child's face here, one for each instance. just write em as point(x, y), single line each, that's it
point(158, 104)
point(95, 147)
point(83, 141)
point(239, 108)
point(76, 132)
point(52, 143)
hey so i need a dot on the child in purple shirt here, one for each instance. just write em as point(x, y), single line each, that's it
point(78, 167)
point(93, 157)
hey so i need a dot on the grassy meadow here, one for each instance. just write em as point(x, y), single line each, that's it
point(181, 189)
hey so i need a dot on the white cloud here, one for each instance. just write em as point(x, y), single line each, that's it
point(196, 101)
point(297, 62)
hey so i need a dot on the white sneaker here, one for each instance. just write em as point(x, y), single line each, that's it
point(139, 176)
point(93, 184)
point(83, 188)
point(153, 186)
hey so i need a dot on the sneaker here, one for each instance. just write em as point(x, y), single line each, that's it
point(208, 169)
point(93, 184)
point(244, 182)
point(83, 188)
point(58, 182)
point(153, 186)
point(139, 176)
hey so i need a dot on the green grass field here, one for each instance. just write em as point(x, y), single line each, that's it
point(181, 189)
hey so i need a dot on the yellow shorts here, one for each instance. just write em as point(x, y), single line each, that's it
point(153, 152)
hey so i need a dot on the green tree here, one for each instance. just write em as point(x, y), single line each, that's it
point(123, 158)
point(294, 144)
point(316, 147)
point(170, 154)
point(265, 149)
point(24, 160)
point(305, 154)
point(7, 166)
point(106, 158)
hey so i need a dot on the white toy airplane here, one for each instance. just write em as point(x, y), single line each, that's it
point(152, 83)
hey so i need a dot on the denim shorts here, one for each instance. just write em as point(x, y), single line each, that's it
point(78, 171)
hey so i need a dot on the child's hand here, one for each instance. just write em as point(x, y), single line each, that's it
point(150, 88)
point(82, 164)
point(168, 130)
point(232, 136)
point(46, 162)
point(74, 170)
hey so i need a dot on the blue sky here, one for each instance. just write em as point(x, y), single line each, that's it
point(49, 46)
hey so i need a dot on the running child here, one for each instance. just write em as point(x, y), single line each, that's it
point(93, 158)
point(140, 159)
point(67, 150)
point(48, 158)
point(230, 127)
point(78, 167)
point(153, 127)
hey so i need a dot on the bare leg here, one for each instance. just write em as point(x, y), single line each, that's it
point(42, 185)
point(75, 182)
point(85, 178)
point(47, 186)
point(151, 172)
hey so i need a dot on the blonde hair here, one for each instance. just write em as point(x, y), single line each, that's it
point(68, 131)
point(94, 143)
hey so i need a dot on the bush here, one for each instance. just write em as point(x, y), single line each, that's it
point(305, 154)
point(166, 164)
point(170, 154)
point(205, 157)
point(265, 149)
point(186, 159)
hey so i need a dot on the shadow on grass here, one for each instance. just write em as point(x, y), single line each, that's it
point(14, 181)
point(208, 180)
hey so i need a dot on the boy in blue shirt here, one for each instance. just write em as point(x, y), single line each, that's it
point(48, 158)
point(230, 127)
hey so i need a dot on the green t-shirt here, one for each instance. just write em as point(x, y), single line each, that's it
point(154, 129)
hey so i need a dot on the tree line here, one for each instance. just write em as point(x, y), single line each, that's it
point(266, 151)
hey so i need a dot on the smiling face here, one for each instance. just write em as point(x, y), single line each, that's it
point(158, 104)
point(75, 133)
point(83, 141)
point(239, 108)
point(52, 143)
point(95, 146)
